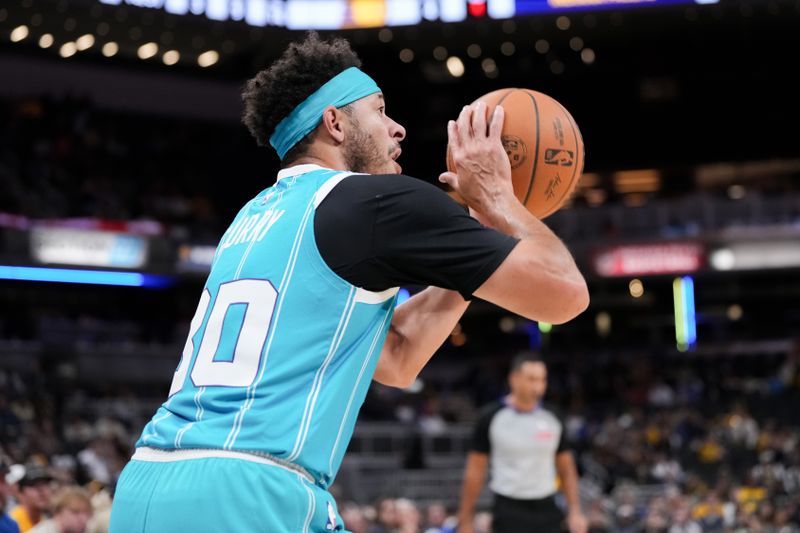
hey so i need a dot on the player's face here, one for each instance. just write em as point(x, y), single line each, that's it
point(373, 142)
point(530, 381)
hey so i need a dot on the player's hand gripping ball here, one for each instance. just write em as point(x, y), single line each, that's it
point(544, 147)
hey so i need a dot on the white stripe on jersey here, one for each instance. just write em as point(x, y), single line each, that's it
point(355, 386)
point(370, 297)
point(287, 274)
point(155, 422)
point(312, 505)
point(180, 433)
point(316, 386)
point(200, 411)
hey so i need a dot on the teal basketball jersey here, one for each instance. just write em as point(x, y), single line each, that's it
point(281, 350)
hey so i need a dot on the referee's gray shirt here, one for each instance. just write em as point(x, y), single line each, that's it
point(522, 446)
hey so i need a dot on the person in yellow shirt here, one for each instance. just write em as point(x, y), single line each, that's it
point(34, 495)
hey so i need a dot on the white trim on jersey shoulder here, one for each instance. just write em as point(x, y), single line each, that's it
point(155, 455)
point(297, 170)
point(328, 186)
point(363, 296)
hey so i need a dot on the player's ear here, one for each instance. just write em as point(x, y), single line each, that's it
point(332, 123)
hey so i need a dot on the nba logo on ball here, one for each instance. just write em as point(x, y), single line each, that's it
point(562, 158)
point(543, 144)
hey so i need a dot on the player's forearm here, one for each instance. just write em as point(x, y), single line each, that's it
point(509, 216)
point(419, 327)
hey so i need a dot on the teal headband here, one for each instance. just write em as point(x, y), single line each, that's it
point(344, 88)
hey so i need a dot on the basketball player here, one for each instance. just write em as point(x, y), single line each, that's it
point(298, 312)
point(523, 443)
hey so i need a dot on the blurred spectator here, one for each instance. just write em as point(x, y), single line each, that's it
point(597, 518)
point(683, 523)
point(34, 495)
point(710, 513)
point(7, 524)
point(101, 517)
point(435, 518)
point(387, 520)
point(354, 519)
point(483, 522)
point(72, 510)
point(409, 519)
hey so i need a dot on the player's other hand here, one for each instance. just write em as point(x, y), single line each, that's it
point(483, 172)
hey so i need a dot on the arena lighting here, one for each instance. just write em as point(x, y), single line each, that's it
point(455, 66)
point(46, 40)
point(476, 8)
point(84, 42)
point(734, 312)
point(545, 327)
point(385, 35)
point(19, 33)
point(636, 288)
point(587, 56)
point(759, 255)
point(147, 50)
point(557, 67)
point(474, 51)
point(602, 323)
point(90, 277)
point(346, 14)
point(171, 57)
point(502, 9)
point(685, 322)
point(110, 49)
point(440, 53)
point(206, 59)
point(68, 49)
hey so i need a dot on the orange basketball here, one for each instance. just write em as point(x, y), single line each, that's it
point(543, 144)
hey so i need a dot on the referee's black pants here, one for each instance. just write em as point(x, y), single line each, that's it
point(526, 516)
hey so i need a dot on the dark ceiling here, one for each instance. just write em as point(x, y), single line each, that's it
point(669, 87)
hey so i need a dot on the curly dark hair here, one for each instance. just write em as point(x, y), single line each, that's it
point(302, 69)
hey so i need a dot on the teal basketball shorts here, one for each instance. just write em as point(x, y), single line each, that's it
point(216, 491)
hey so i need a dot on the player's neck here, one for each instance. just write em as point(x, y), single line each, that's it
point(331, 159)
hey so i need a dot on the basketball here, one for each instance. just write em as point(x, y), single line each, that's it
point(543, 144)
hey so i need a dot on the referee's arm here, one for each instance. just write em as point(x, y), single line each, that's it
point(474, 478)
point(477, 465)
point(565, 466)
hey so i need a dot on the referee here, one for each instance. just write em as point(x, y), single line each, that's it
point(524, 444)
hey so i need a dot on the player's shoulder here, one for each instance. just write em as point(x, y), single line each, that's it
point(386, 184)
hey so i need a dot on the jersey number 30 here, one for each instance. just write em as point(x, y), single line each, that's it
point(259, 296)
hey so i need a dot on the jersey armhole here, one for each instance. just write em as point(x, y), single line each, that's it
point(362, 295)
